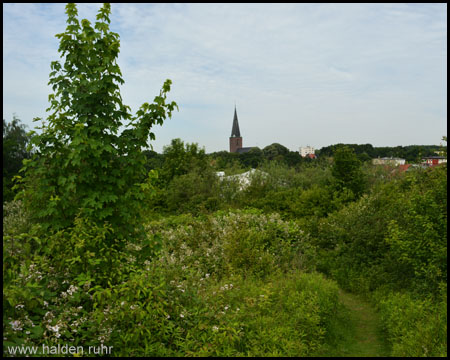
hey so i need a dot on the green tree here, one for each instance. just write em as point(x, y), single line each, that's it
point(253, 158)
point(180, 158)
point(15, 141)
point(275, 151)
point(83, 165)
point(154, 160)
point(194, 192)
point(347, 172)
point(223, 159)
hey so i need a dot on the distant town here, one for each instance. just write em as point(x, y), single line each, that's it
point(419, 155)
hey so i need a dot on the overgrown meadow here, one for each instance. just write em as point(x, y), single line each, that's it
point(237, 282)
point(133, 253)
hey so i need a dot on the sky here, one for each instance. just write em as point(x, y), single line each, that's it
point(298, 74)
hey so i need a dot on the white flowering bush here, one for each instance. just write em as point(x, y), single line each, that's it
point(245, 242)
point(228, 284)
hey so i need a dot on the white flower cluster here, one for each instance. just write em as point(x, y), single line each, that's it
point(55, 329)
point(33, 273)
point(69, 292)
point(16, 325)
point(226, 287)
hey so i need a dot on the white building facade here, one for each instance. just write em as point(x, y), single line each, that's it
point(304, 151)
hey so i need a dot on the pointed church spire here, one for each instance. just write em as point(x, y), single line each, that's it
point(235, 131)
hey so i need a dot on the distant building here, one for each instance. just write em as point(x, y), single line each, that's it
point(243, 150)
point(388, 161)
point(236, 138)
point(307, 150)
point(434, 160)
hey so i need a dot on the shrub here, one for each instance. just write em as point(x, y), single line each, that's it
point(415, 327)
point(246, 243)
point(193, 192)
point(394, 237)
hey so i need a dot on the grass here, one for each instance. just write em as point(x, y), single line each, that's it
point(355, 331)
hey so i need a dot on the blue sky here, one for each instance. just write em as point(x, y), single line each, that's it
point(300, 74)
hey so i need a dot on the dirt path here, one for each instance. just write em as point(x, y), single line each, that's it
point(356, 332)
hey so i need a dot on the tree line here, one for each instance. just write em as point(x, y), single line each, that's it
point(16, 140)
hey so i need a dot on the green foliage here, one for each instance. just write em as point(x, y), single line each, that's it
point(443, 149)
point(15, 141)
point(415, 327)
point(418, 239)
point(206, 293)
point(238, 283)
point(347, 172)
point(330, 150)
point(222, 160)
point(90, 251)
point(82, 165)
point(398, 233)
point(256, 157)
point(275, 151)
point(194, 192)
point(252, 158)
point(180, 158)
point(392, 245)
point(246, 243)
point(16, 220)
point(235, 317)
point(411, 153)
point(154, 160)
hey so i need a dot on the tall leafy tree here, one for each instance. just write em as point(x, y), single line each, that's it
point(84, 166)
point(275, 151)
point(180, 158)
point(347, 172)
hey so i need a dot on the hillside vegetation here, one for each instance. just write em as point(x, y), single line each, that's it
point(239, 273)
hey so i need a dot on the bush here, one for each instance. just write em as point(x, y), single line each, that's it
point(246, 243)
point(394, 237)
point(415, 327)
point(193, 192)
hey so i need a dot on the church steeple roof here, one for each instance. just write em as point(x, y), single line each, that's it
point(235, 131)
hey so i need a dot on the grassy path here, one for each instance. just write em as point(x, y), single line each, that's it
point(355, 331)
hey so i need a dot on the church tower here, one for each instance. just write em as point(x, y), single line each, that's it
point(235, 138)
